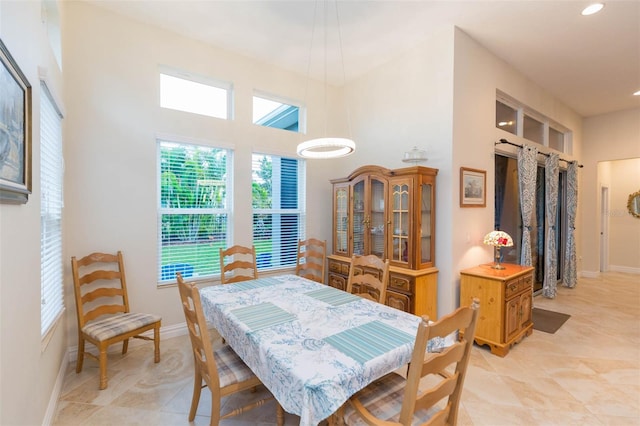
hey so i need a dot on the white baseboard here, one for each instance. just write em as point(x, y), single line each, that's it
point(590, 274)
point(627, 269)
point(52, 407)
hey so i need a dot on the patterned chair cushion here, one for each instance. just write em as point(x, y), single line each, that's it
point(118, 324)
point(383, 399)
point(231, 369)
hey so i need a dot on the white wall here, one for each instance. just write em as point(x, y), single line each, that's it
point(624, 229)
point(607, 137)
point(478, 74)
point(27, 370)
point(111, 64)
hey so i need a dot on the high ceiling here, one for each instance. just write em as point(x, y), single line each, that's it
point(591, 63)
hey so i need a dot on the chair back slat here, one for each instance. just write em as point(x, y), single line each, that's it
point(103, 310)
point(99, 275)
point(311, 259)
point(238, 263)
point(102, 292)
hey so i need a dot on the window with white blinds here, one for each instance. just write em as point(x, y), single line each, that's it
point(278, 200)
point(51, 204)
point(194, 188)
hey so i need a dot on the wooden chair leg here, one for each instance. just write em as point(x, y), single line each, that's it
point(103, 368)
point(195, 399)
point(156, 343)
point(279, 414)
point(125, 346)
point(80, 359)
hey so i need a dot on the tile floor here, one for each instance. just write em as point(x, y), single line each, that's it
point(587, 373)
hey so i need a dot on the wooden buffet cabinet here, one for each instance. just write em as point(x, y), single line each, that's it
point(506, 299)
point(391, 214)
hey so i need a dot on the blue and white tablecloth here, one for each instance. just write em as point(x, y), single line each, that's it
point(312, 346)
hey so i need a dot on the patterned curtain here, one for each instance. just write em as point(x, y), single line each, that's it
point(570, 275)
point(527, 168)
point(551, 201)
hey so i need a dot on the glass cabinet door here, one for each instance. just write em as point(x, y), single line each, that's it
point(359, 217)
point(400, 220)
point(341, 206)
point(426, 245)
point(376, 220)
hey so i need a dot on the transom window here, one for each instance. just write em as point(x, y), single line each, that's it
point(198, 95)
point(193, 213)
point(272, 111)
point(278, 200)
point(518, 119)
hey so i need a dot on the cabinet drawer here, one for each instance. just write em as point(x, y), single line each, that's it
point(400, 283)
point(515, 286)
point(528, 281)
point(344, 270)
point(337, 281)
point(335, 266)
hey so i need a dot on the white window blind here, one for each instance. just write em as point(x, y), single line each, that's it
point(278, 200)
point(193, 212)
point(51, 204)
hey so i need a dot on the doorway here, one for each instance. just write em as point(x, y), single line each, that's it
point(604, 229)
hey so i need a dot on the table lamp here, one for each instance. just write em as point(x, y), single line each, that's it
point(498, 239)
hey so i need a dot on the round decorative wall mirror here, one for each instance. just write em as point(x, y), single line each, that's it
point(634, 204)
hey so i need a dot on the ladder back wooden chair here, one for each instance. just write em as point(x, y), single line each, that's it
point(221, 369)
point(102, 307)
point(394, 400)
point(369, 277)
point(311, 259)
point(238, 263)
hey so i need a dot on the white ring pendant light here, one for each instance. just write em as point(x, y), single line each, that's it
point(321, 148)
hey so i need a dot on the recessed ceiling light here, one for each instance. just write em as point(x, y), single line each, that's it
point(637, 93)
point(592, 8)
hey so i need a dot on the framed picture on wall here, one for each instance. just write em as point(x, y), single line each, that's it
point(15, 131)
point(473, 187)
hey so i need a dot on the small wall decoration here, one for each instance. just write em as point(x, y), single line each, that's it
point(473, 186)
point(15, 131)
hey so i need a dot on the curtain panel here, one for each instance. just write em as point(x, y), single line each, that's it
point(527, 168)
point(551, 201)
point(570, 277)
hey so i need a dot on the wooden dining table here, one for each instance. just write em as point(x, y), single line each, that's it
point(313, 346)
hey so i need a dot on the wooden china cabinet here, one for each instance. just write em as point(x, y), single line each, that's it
point(391, 214)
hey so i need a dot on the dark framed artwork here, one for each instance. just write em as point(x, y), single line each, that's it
point(473, 187)
point(15, 131)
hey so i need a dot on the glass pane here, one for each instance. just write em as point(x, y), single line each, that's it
point(506, 118)
point(342, 219)
point(556, 139)
point(425, 232)
point(191, 96)
point(270, 113)
point(377, 221)
point(358, 218)
point(400, 221)
point(191, 243)
point(533, 130)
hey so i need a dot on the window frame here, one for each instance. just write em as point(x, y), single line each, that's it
point(302, 122)
point(277, 262)
point(523, 111)
point(226, 209)
point(51, 191)
point(195, 78)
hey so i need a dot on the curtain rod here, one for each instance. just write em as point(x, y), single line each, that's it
point(541, 153)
